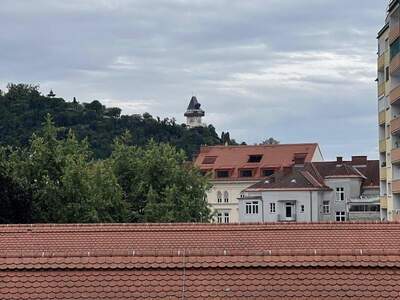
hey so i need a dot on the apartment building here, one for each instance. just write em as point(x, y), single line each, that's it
point(335, 191)
point(389, 113)
point(235, 168)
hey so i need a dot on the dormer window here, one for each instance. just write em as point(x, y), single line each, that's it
point(222, 174)
point(268, 172)
point(255, 158)
point(246, 173)
point(209, 160)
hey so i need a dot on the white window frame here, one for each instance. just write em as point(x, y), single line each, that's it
point(272, 208)
point(340, 216)
point(340, 194)
point(226, 197)
point(226, 217)
point(219, 197)
point(219, 218)
point(252, 207)
point(326, 207)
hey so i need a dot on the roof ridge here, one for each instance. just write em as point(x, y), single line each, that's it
point(200, 253)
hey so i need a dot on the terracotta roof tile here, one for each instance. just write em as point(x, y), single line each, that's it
point(203, 261)
point(236, 157)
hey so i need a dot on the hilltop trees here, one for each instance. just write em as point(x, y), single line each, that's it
point(23, 109)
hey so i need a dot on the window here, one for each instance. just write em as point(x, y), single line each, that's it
point(302, 208)
point(226, 197)
point(242, 195)
point(219, 197)
point(246, 173)
point(272, 208)
point(255, 158)
point(325, 207)
point(340, 216)
point(268, 172)
point(252, 208)
point(389, 188)
point(226, 217)
point(387, 74)
point(340, 194)
point(222, 174)
point(209, 160)
point(219, 218)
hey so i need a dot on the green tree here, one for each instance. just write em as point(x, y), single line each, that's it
point(158, 184)
point(66, 185)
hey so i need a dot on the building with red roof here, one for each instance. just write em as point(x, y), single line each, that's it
point(200, 261)
point(316, 191)
point(235, 168)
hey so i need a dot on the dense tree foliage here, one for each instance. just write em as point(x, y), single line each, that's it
point(158, 183)
point(56, 180)
point(23, 109)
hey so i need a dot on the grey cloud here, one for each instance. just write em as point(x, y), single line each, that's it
point(298, 70)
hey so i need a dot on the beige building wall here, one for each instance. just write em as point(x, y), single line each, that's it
point(234, 189)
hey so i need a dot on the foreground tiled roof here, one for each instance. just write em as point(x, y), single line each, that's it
point(260, 261)
point(234, 158)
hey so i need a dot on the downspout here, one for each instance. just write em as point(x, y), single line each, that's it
point(262, 207)
point(311, 210)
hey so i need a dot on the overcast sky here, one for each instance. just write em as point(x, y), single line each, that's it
point(297, 70)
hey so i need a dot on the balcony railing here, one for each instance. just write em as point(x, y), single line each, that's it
point(396, 186)
point(395, 65)
point(395, 156)
point(394, 95)
point(394, 33)
point(395, 125)
point(283, 218)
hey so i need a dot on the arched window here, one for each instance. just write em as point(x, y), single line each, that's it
point(226, 197)
point(242, 195)
point(219, 197)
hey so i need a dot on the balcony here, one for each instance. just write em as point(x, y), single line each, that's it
point(395, 65)
point(395, 126)
point(396, 186)
point(383, 174)
point(383, 202)
point(394, 33)
point(395, 156)
point(283, 218)
point(382, 117)
point(394, 95)
point(382, 146)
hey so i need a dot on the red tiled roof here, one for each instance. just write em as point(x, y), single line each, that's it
point(312, 175)
point(204, 261)
point(236, 157)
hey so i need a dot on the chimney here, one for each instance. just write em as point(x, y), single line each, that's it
point(359, 160)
